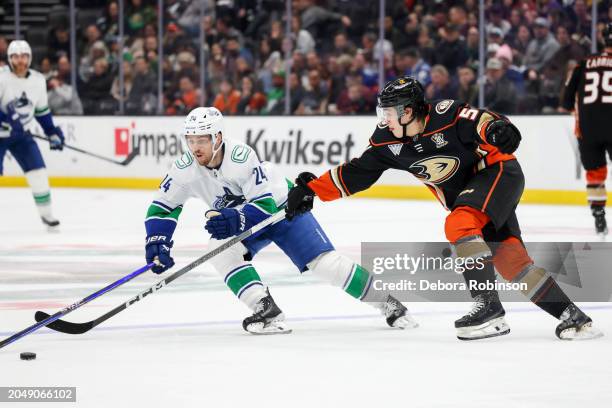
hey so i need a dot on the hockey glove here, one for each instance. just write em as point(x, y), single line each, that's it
point(227, 223)
point(56, 139)
point(503, 135)
point(300, 198)
point(158, 246)
point(13, 120)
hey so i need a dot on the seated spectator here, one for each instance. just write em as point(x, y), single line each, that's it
point(500, 93)
point(116, 91)
point(441, 86)
point(512, 72)
point(451, 51)
point(59, 42)
point(97, 51)
point(142, 98)
point(275, 96)
point(139, 14)
point(356, 100)
point(468, 89)
point(520, 43)
point(251, 101)
point(542, 48)
point(62, 101)
point(342, 45)
point(3, 48)
point(416, 67)
point(315, 97)
point(227, 99)
point(109, 22)
point(46, 69)
point(64, 69)
point(96, 92)
point(187, 98)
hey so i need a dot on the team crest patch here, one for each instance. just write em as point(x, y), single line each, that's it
point(443, 106)
point(240, 153)
point(396, 149)
point(438, 139)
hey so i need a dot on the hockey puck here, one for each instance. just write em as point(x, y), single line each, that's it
point(27, 356)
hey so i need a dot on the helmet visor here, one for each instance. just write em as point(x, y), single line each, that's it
point(388, 114)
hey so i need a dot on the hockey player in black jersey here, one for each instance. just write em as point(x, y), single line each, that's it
point(588, 91)
point(464, 156)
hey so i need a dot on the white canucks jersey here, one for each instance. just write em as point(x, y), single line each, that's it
point(241, 179)
point(28, 96)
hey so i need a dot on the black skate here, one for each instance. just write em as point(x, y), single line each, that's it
point(575, 325)
point(51, 223)
point(397, 315)
point(486, 319)
point(601, 226)
point(267, 319)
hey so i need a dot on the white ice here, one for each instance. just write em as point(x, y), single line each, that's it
point(184, 346)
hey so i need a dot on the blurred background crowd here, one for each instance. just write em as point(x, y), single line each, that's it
point(334, 53)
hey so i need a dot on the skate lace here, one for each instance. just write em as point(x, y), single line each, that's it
point(477, 306)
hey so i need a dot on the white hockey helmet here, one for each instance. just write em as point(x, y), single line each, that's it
point(17, 47)
point(204, 121)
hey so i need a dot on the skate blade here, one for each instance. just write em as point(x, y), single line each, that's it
point(260, 329)
point(53, 229)
point(587, 332)
point(493, 328)
point(405, 322)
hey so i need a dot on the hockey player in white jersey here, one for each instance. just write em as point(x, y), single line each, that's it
point(242, 191)
point(23, 98)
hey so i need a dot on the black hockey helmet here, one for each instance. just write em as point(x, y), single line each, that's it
point(607, 34)
point(403, 92)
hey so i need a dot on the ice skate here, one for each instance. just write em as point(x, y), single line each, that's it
point(601, 226)
point(397, 315)
point(486, 319)
point(576, 325)
point(267, 319)
point(51, 222)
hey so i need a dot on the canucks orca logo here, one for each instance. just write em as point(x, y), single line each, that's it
point(24, 108)
point(435, 169)
point(228, 200)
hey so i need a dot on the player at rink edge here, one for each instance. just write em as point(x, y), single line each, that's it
point(23, 97)
point(242, 191)
point(465, 157)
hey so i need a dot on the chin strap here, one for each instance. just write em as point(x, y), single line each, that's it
point(405, 127)
point(215, 151)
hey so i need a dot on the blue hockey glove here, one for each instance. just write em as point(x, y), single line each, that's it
point(14, 121)
point(158, 246)
point(56, 139)
point(227, 223)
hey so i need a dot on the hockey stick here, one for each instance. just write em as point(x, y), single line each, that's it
point(79, 328)
point(123, 162)
point(50, 319)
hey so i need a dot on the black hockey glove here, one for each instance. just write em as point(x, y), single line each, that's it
point(300, 197)
point(503, 135)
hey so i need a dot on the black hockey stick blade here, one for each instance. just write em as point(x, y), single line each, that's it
point(135, 151)
point(64, 326)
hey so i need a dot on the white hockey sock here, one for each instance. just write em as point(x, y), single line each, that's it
point(240, 276)
point(342, 272)
point(39, 183)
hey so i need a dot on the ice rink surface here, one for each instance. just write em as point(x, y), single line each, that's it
point(184, 346)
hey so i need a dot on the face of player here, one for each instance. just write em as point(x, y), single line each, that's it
point(388, 116)
point(20, 64)
point(202, 148)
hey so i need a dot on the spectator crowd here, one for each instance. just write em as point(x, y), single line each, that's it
point(334, 51)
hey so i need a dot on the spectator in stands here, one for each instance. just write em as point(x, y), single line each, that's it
point(356, 100)
point(468, 89)
point(500, 93)
point(416, 67)
point(92, 36)
point(315, 97)
point(109, 22)
point(139, 14)
point(96, 92)
point(59, 42)
point(495, 35)
point(542, 48)
point(116, 91)
point(187, 98)
point(271, 61)
point(142, 98)
point(228, 98)
point(64, 69)
point(473, 44)
point(251, 101)
point(318, 20)
point(275, 96)
point(97, 51)
point(457, 15)
point(520, 43)
point(304, 42)
point(174, 39)
point(3, 48)
point(426, 45)
point(497, 20)
point(62, 101)
point(342, 45)
point(451, 51)
point(441, 86)
point(46, 69)
point(511, 71)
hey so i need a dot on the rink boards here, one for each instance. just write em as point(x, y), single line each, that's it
point(548, 152)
